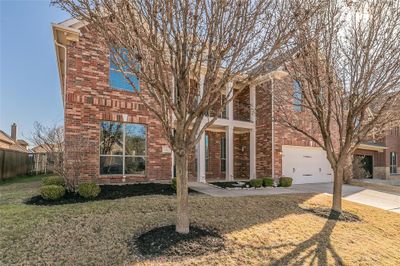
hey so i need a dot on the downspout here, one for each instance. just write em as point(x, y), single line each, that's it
point(65, 70)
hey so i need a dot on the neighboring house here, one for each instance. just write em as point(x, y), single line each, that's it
point(381, 158)
point(8, 142)
point(15, 157)
point(126, 143)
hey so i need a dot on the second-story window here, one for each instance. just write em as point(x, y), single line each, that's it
point(297, 96)
point(393, 163)
point(118, 80)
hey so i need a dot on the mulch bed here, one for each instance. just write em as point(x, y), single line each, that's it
point(110, 192)
point(231, 184)
point(165, 241)
point(327, 213)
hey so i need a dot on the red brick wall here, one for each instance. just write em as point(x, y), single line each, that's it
point(241, 106)
point(283, 134)
point(263, 130)
point(90, 100)
point(214, 161)
point(241, 155)
point(392, 141)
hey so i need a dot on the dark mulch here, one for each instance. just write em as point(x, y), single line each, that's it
point(110, 192)
point(231, 184)
point(165, 241)
point(328, 213)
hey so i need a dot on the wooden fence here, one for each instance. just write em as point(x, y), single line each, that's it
point(14, 163)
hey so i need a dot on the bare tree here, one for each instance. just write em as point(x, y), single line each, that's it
point(348, 68)
point(186, 53)
point(51, 140)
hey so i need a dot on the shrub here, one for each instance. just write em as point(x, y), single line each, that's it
point(89, 190)
point(53, 180)
point(285, 181)
point(256, 183)
point(173, 183)
point(52, 192)
point(268, 182)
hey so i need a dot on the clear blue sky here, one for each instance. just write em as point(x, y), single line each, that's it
point(29, 82)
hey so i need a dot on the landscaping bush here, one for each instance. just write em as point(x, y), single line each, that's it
point(285, 181)
point(52, 192)
point(53, 180)
point(89, 190)
point(173, 183)
point(268, 182)
point(256, 183)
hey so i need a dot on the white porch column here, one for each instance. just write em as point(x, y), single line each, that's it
point(229, 153)
point(252, 154)
point(201, 160)
point(172, 164)
point(252, 104)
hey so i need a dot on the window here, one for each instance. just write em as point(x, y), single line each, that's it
point(206, 150)
point(393, 163)
point(117, 78)
point(122, 149)
point(223, 154)
point(297, 96)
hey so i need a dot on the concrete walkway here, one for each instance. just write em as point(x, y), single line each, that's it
point(382, 200)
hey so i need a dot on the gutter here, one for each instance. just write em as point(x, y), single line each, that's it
point(64, 82)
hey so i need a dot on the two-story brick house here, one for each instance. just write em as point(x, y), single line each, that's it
point(126, 142)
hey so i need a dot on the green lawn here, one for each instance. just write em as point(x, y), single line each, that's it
point(257, 230)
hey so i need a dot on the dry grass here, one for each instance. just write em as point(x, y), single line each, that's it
point(258, 230)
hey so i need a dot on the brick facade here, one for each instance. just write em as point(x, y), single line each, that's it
point(90, 100)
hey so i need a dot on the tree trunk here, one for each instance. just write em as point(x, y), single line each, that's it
point(348, 170)
point(337, 188)
point(182, 221)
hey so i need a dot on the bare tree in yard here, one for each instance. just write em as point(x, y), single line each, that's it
point(348, 64)
point(51, 140)
point(185, 53)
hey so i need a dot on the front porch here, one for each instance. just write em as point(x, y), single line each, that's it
point(223, 153)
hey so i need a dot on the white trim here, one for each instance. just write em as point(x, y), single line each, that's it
point(235, 123)
point(201, 159)
point(230, 150)
point(253, 154)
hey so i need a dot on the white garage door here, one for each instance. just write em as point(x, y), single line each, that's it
point(306, 164)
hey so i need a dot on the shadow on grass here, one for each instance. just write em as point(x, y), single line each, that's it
point(315, 249)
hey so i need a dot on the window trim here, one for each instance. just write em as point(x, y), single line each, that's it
point(206, 152)
point(123, 150)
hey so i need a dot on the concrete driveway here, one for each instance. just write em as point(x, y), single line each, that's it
point(378, 199)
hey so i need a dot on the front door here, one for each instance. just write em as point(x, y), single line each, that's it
point(364, 162)
point(368, 164)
